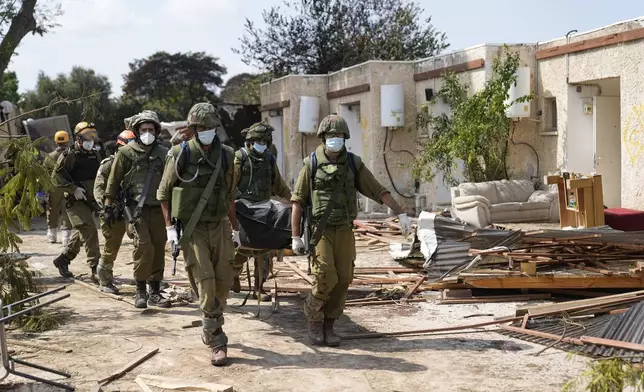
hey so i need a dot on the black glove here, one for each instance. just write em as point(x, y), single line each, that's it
point(109, 214)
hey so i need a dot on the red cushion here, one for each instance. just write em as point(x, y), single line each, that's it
point(624, 219)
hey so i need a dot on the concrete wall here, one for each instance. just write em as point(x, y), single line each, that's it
point(623, 61)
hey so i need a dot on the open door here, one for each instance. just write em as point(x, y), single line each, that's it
point(608, 147)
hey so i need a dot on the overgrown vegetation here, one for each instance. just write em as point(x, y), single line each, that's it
point(476, 131)
point(610, 375)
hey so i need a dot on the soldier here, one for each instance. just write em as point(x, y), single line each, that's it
point(74, 174)
point(199, 176)
point(137, 171)
point(330, 179)
point(56, 208)
point(258, 178)
point(112, 231)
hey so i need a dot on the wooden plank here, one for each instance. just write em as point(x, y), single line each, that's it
point(613, 343)
point(298, 271)
point(577, 183)
point(558, 282)
point(598, 194)
point(413, 289)
point(362, 88)
point(540, 334)
point(570, 305)
point(495, 299)
point(128, 367)
point(599, 42)
point(275, 106)
point(457, 68)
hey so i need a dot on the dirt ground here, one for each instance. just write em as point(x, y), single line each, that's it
point(273, 354)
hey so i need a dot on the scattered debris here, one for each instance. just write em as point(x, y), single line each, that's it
point(127, 368)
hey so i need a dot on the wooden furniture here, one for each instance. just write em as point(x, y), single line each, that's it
point(588, 194)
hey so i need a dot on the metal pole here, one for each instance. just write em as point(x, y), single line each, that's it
point(8, 307)
point(31, 309)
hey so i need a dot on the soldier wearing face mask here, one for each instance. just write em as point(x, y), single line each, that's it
point(330, 180)
point(74, 174)
point(137, 170)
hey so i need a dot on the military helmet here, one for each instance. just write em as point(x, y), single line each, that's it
point(128, 122)
point(333, 124)
point(146, 116)
point(258, 131)
point(204, 115)
point(61, 137)
point(83, 127)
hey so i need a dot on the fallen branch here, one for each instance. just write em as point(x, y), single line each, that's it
point(128, 367)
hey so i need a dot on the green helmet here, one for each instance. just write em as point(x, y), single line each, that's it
point(204, 115)
point(258, 131)
point(333, 124)
point(146, 116)
point(128, 122)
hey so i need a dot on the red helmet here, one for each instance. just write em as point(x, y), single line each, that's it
point(125, 137)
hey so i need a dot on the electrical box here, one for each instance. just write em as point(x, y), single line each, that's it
point(392, 105)
point(517, 90)
point(309, 114)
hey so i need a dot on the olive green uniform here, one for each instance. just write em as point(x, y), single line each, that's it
point(129, 172)
point(56, 207)
point(113, 233)
point(78, 168)
point(333, 260)
point(209, 250)
point(257, 180)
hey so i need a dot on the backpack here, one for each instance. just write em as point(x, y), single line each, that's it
point(186, 157)
point(271, 160)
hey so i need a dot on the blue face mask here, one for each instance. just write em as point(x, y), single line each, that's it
point(334, 144)
point(259, 148)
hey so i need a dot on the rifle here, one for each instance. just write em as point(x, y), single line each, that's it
point(176, 248)
point(122, 200)
point(306, 236)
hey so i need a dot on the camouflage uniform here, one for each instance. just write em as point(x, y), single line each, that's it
point(208, 251)
point(258, 178)
point(56, 207)
point(334, 256)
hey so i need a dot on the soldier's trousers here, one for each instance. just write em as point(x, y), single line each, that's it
point(332, 266)
point(82, 219)
point(209, 258)
point(113, 235)
point(56, 210)
point(242, 256)
point(149, 245)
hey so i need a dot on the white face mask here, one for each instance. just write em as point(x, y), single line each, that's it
point(334, 144)
point(259, 148)
point(88, 144)
point(147, 138)
point(206, 137)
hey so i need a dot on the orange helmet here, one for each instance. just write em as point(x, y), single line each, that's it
point(61, 137)
point(125, 137)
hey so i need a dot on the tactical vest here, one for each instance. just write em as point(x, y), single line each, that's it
point(256, 182)
point(141, 163)
point(186, 194)
point(324, 181)
point(85, 169)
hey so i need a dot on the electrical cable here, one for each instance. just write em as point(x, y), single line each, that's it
point(391, 179)
point(536, 155)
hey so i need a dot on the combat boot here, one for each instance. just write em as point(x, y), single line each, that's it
point(218, 341)
point(316, 332)
point(236, 287)
point(219, 356)
point(62, 263)
point(330, 337)
point(94, 275)
point(141, 299)
point(313, 311)
point(109, 288)
point(155, 298)
point(263, 295)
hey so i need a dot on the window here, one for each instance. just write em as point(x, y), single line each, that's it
point(550, 115)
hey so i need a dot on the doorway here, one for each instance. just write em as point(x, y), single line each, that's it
point(277, 123)
point(608, 147)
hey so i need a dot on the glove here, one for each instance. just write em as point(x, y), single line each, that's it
point(109, 214)
point(173, 237)
point(236, 240)
point(405, 223)
point(297, 245)
point(79, 193)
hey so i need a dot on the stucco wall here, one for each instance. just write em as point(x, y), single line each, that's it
point(623, 61)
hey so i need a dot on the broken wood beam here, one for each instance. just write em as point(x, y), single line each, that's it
point(495, 298)
point(298, 271)
point(120, 373)
point(384, 302)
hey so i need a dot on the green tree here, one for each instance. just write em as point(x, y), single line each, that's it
point(243, 88)
point(321, 36)
point(171, 83)
point(476, 131)
point(9, 87)
point(80, 82)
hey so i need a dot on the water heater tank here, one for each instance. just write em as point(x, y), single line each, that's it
point(519, 89)
point(392, 105)
point(309, 114)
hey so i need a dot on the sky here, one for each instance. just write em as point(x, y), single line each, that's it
point(106, 35)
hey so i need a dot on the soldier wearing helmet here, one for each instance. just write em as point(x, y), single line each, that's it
point(55, 207)
point(75, 174)
point(137, 171)
point(258, 178)
point(113, 233)
point(199, 180)
point(330, 180)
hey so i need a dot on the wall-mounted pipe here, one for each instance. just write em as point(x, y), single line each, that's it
point(567, 62)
